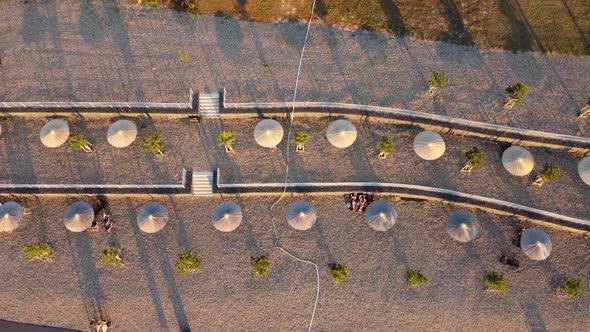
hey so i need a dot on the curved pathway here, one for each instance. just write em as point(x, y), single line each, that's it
point(413, 191)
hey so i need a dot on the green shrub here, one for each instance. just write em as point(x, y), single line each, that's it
point(550, 173)
point(187, 262)
point(40, 251)
point(264, 6)
point(572, 287)
point(300, 139)
point(226, 138)
point(416, 278)
point(475, 158)
point(153, 144)
point(385, 145)
point(438, 80)
point(80, 143)
point(496, 282)
point(260, 266)
point(111, 257)
point(517, 92)
point(338, 272)
point(190, 6)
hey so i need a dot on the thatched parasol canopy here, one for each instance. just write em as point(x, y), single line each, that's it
point(518, 161)
point(268, 133)
point(301, 215)
point(227, 217)
point(11, 214)
point(55, 133)
point(152, 217)
point(79, 217)
point(380, 215)
point(584, 170)
point(341, 133)
point(536, 244)
point(461, 226)
point(121, 133)
point(429, 145)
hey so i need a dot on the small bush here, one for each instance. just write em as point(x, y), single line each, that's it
point(338, 272)
point(264, 6)
point(265, 67)
point(190, 6)
point(79, 143)
point(572, 287)
point(260, 266)
point(475, 158)
point(496, 282)
point(300, 138)
point(517, 92)
point(187, 262)
point(416, 278)
point(183, 57)
point(111, 257)
point(226, 138)
point(153, 144)
point(40, 251)
point(550, 173)
point(385, 145)
point(438, 80)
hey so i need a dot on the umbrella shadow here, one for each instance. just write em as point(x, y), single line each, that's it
point(181, 237)
point(148, 274)
point(533, 317)
point(171, 286)
point(88, 277)
point(322, 243)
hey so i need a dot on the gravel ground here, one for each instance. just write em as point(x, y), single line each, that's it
point(109, 50)
point(223, 297)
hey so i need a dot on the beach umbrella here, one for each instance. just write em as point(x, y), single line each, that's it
point(121, 133)
point(584, 170)
point(380, 215)
point(227, 217)
point(301, 215)
point(518, 161)
point(55, 133)
point(429, 145)
point(11, 214)
point(536, 244)
point(79, 217)
point(461, 226)
point(268, 133)
point(341, 133)
point(152, 217)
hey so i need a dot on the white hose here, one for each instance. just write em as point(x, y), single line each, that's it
point(291, 114)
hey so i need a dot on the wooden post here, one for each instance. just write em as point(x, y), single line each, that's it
point(538, 181)
point(510, 103)
point(466, 169)
point(431, 91)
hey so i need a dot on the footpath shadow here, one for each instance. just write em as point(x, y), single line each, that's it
point(90, 23)
point(34, 23)
point(171, 286)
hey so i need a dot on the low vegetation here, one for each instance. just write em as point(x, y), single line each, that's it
point(299, 140)
point(416, 278)
point(572, 287)
point(153, 144)
point(550, 173)
point(80, 143)
point(227, 138)
point(260, 266)
point(385, 147)
point(496, 282)
point(339, 273)
point(37, 251)
point(111, 257)
point(438, 80)
point(187, 262)
point(485, 24)
point(517, 92)
point(475, 158)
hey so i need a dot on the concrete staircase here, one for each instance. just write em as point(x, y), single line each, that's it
point(202, 183)
point(209, 105)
